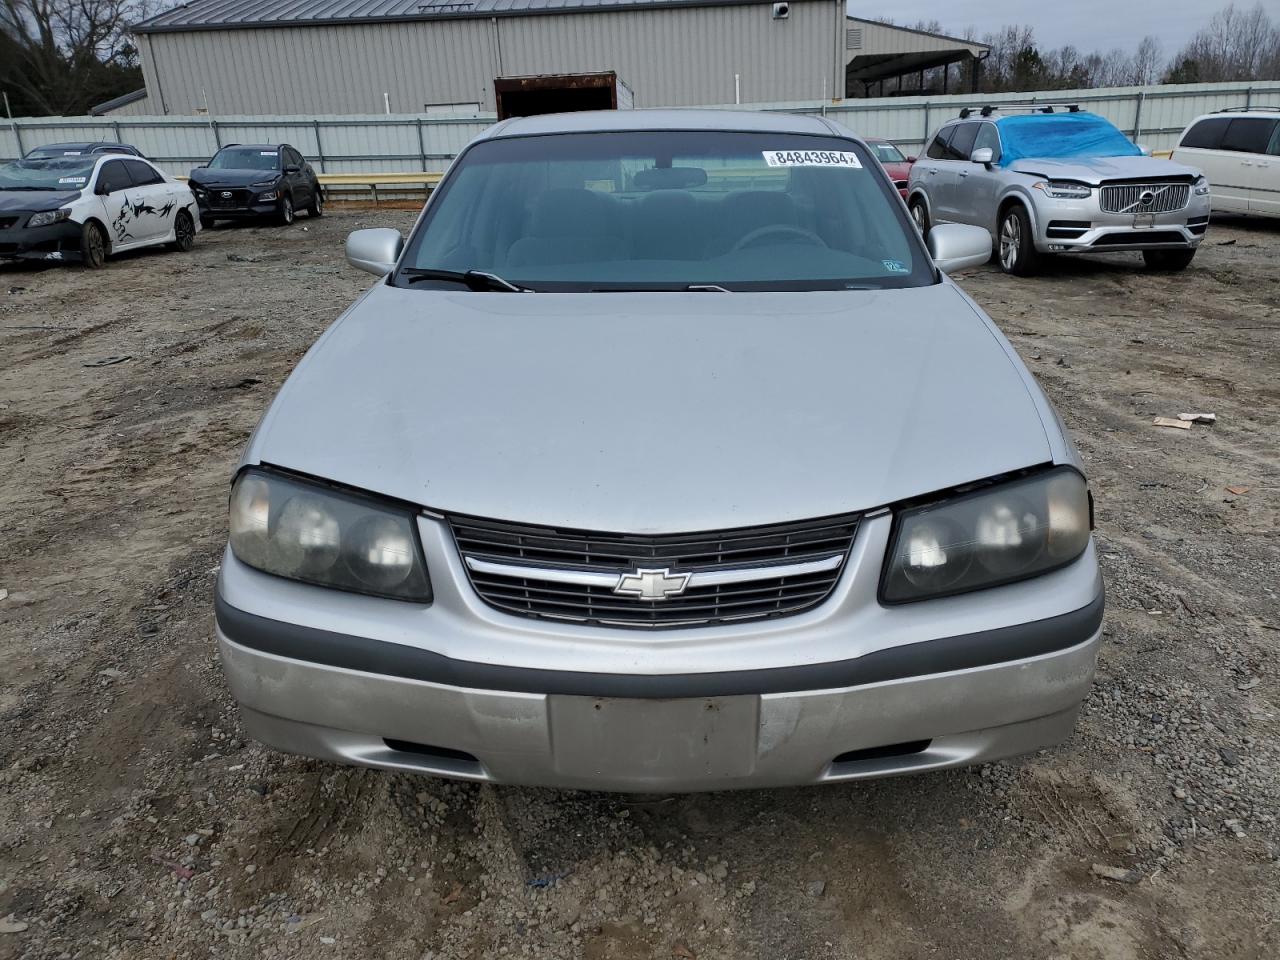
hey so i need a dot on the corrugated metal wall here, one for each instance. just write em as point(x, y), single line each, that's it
point(674, 57)
point(380, 143)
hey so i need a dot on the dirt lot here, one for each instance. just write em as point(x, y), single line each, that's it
point(135, 820)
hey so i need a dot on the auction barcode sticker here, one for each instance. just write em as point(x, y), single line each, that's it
point(811, 158)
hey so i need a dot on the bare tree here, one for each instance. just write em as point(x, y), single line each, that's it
point(64, 55)
point(1147, 63)
point(1237, 44)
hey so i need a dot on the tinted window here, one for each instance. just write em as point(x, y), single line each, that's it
point(961, 143)
point(1274, 148)
point(1207, 134)
point(1248, 134)
point(142, 174)
point(113, 176)
point(246, 158)
point(988, 137)
point(663, 210)
point(938, 149)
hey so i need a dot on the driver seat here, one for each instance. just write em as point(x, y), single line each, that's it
point(744, 211)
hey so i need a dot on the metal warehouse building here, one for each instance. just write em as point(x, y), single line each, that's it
point(413, 56)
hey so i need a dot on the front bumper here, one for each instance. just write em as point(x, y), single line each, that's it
point(58, 241)
point(849, 690)
point(1081, 226)
point(250, 208)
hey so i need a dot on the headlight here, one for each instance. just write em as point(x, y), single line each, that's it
point(1064, 189)
point(305, 531)
point(49, 217)
point(269, 195)
point(992, 536)
point(1201, 187)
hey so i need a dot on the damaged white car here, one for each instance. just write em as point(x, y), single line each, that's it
point(83, 208)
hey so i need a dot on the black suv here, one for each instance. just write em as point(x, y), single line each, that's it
point(256, 180)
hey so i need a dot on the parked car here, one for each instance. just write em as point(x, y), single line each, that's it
point(85, 207)
point(895, 163)
point(624, 476)
point(1239, 151)
point(1058, 183)
point(256, 180)
point(81, 149)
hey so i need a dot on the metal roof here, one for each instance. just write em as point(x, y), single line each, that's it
point(221, 14)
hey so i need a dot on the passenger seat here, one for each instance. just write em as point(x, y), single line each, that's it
point(570, 225)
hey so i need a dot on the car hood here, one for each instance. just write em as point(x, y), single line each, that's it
point(655, 412)
point(1094, 170)
point(36, 200)
point(232, 178)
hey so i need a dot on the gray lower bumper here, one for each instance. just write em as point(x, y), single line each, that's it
point(929, 721)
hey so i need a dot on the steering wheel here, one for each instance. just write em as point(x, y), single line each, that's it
point(779, 229)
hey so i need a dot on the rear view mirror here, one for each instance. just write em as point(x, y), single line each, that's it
point(955, 246)
point(292, 168)
point(983, 155)
point(670, 178)
point(375, 250)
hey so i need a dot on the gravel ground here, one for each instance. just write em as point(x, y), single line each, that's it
point(137, 822)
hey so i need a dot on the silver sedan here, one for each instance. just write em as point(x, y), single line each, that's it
point(663, 455)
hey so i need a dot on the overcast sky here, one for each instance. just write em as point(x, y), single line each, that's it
point(1086, 24)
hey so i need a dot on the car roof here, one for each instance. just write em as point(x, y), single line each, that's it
point(600, 121)
point(252, 146)
point(103, 145)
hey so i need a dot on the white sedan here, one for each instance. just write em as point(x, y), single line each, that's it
point(84, 208)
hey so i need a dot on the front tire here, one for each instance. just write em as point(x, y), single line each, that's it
point(1168, 260)
point(93, 246)
point(184, 232)
point(285, 212)
point(1018, 254)
point(919, 216)
point(316, 207)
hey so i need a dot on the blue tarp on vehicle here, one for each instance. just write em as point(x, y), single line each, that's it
point(1061, 136)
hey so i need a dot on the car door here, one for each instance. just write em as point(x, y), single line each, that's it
point(295, 174)
point(112, 187)
point(1201, 147)
point(977, 184)
point(1264, 175)
point(928, 171)
point(153, 201)
point(956, 204)
point(1245, 143)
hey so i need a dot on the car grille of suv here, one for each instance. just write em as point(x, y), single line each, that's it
point(7, 222)
point(1127, 197)
point(749, 573)
point(232, 198)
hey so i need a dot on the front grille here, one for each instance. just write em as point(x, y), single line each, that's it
point(537, 553)
point(1139, 237)
point(7, 222)
point(1128, 197)
point(237, 198)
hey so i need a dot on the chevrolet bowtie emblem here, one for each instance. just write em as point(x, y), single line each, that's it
point(652, 584)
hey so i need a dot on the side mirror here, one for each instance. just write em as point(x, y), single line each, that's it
point(955, 246)
point(1143, 149)
point(292, 168)
point(983, 155)
point(912, 159)
point(374, 250)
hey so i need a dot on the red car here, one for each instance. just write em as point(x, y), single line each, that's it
point(895, 164)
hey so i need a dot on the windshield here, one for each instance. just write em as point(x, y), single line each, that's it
point(53, 173)
point(668, 210)
point(887, 152)
point(246, 158)
point(1061, 136)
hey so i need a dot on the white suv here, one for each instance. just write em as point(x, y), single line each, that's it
point(1239, 152)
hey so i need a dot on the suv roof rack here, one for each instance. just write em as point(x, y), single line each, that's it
point(1028, 106)
point(1265, 106)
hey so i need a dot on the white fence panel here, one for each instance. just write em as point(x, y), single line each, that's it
point(393, 142)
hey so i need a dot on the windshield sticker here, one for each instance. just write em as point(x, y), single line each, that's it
point(71, 153)
point(266, 153)
point(896, 266)
point(76, 180)
point(811, 158)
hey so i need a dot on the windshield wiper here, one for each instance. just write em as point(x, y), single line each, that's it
point(477, 280)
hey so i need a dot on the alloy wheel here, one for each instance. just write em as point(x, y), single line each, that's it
point(1010, 241)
